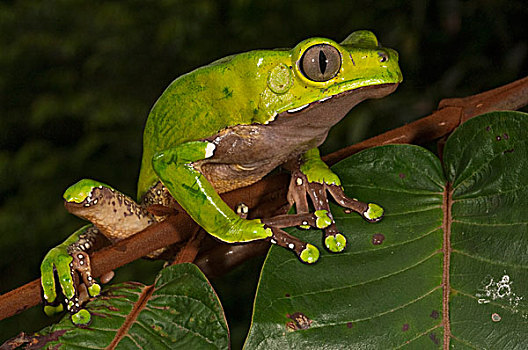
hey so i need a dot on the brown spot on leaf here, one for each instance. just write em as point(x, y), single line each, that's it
point(433, 337)
point(350, 325)
point(378, 238)
point(498, 138)
point(401, 175)
point(508, 151)
point(505, 136)
point(405, 327)
point(291, 327)
point(434, 314)
point(287, 295)
point(299, 321)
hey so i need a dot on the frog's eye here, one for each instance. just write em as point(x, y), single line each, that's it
point(320, 62)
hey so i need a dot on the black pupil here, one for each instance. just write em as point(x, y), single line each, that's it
point(322, 61)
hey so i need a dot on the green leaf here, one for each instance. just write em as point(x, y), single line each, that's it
point(387, 289)
point(180, 311)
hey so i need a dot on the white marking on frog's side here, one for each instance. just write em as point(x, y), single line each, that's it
point(492, 289)
point(209, 150)
point(293, 110)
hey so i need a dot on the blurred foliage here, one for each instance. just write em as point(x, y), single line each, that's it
point(77, 79)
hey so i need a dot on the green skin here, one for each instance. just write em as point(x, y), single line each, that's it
point(244, 89)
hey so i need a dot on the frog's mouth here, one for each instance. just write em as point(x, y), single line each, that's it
point(330, 110)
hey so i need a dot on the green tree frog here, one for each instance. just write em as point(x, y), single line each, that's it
point(224, 126)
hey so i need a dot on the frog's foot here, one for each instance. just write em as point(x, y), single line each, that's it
point(306, 252)
point(300, 187)
point(320, 219)
point(80, 266)
point(69, 261)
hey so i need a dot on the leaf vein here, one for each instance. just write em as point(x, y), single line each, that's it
point(397, 190)
point(321, 291)
point(465, 342)
point(418, 336)
point(487, 162)
point(511, 309)
point(489, 224)
point(494, 194)
point(489, 261)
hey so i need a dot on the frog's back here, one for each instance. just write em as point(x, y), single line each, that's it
point(198, 105)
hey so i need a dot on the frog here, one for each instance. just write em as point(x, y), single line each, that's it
point(224, 126)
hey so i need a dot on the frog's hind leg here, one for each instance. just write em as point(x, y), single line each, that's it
point(114, 216)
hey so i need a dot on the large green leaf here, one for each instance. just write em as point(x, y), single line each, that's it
point(462, 224)
point(181, 311)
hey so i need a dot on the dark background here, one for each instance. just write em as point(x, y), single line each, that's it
point(77, 80)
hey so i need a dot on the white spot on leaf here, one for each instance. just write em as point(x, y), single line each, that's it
point(498, 289)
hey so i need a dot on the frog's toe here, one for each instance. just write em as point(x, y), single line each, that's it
point(81, 318)
point(94, 290)
point(306, 252)
point(309, 255)
point(60, 261)
point(51, 310)
point(47, 280)
point(81, 264)
point(374, 213)
point(335, 243)
point(323, 219)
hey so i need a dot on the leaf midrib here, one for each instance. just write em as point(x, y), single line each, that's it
point(446, 248)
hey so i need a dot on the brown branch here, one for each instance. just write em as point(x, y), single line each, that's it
point(268, 196)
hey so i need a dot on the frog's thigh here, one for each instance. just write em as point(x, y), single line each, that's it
point(198, 197)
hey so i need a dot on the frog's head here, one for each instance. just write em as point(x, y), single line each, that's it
point(358, 61)
point(321, 69)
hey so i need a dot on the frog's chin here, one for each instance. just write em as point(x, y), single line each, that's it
point(359, 94)
point(327, 112)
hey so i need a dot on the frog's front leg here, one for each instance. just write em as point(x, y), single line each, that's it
point(197, 196)
point(313, 178)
